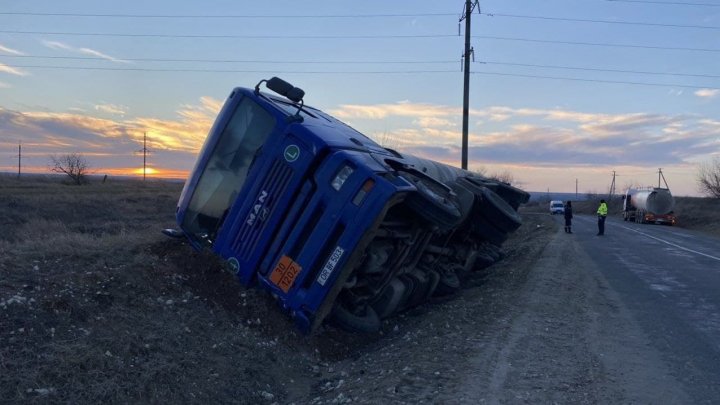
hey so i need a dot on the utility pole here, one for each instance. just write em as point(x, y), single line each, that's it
point(469, 6)
point(144, 154)
point(576, 189)
point(144, 151)
point(19, 158)
point(612, 187)
point(662, 176)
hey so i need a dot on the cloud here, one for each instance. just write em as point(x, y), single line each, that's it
point(402, 109)
point(186, 134)
point(112, 143)
point(707, 93)
point(542, 137)
point(10, 50)
point(434, 122)
point(11, 70)
point(112, 109)
point(4, 85)
point(56, 45)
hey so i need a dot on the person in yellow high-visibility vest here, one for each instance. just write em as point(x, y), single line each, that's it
point(602, 214)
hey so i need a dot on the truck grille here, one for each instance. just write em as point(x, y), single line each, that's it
point(275, 184)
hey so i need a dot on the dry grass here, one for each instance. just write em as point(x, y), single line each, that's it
point(702, 214)
point(96, 305)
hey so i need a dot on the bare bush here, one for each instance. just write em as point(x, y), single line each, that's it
point(73, 164)
point(708, 178)
point(480, 171)
point(504, 176)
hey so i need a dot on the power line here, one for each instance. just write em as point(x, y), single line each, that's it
point(602, 44)
point(593, 80)
point(533, 65)
point(598, 69)
point(667, 3)
point(532, 40)
point(325, 62)
point(606, 44)
point(223, 70)
point(585, 20)
point(231, 36)
point(217, 16)
point(355, 72)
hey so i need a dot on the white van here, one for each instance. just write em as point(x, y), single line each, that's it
point(557, 207)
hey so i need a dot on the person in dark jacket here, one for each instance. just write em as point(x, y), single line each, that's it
point(568, 217)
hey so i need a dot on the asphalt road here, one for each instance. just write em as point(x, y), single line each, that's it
point(668, 280)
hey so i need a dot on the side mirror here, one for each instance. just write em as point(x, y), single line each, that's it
point(285, 89)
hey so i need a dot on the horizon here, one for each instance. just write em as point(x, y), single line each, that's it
point(559, 94)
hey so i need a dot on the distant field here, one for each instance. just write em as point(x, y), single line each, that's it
point(701, 214)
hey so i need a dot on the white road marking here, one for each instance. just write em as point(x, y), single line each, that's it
point(673, 244)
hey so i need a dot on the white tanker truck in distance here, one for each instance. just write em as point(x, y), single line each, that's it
point(649, 205)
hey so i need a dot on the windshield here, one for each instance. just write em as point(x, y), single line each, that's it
point(557, 205)
point(224, 174)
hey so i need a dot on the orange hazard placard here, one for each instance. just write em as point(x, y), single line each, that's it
point(284, 273)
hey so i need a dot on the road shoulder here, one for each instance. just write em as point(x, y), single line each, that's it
point(569, 338)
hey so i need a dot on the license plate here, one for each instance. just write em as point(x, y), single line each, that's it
point(284, 273)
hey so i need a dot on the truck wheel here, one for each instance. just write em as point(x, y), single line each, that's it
point(512, 195)
point(488, 231)
point(465, 199)
point(390, 298)
point(433, 203)
point(449, 283)
point(422, 286)
point(361, 319)
point(434, 279)
point(483, 260)
point(493, 207)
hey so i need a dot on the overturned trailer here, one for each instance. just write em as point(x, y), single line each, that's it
point(332, 224)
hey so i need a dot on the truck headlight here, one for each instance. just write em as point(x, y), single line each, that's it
point(340, 178)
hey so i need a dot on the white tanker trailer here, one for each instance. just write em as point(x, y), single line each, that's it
point(649, 205)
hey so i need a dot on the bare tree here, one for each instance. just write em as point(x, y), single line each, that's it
point(708, 178)
point(73, 164)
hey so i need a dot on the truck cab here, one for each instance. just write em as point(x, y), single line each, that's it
point(332, 224)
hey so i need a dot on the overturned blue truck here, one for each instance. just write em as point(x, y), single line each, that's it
point(333, 225)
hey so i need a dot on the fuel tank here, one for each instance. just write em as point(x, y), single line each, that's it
point(658, 201)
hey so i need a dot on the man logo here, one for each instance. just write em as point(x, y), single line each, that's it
point(258, 211)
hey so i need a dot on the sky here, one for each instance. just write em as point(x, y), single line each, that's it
point(562, 92)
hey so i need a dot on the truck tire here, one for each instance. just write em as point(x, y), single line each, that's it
point(512, 195)
point(390, 299)
point(488, 231)
point(465, 199)
point(449, 283)
point(364, 319)
point(493, 207)
point(433, 203)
